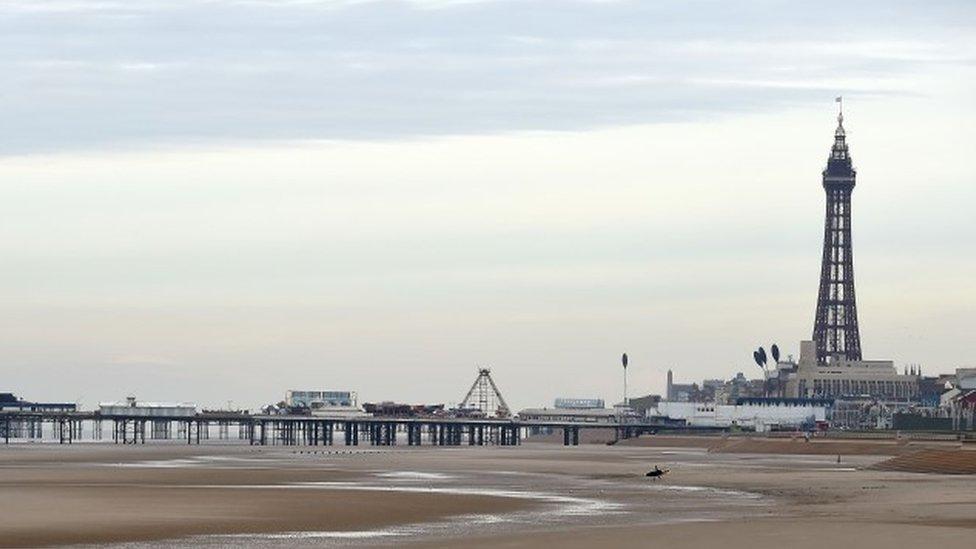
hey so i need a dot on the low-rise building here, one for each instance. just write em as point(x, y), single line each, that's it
point(761, 414)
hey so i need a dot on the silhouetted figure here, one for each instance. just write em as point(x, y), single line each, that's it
point(656, 473)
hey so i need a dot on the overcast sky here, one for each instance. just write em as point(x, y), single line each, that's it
point(221, 200)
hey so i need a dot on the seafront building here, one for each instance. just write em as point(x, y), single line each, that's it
point(872, 398)
point(759, 414)
point(842, 377)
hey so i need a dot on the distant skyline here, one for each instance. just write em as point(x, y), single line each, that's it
point(213, 201)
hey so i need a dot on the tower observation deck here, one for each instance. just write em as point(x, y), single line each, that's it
point(835, 330)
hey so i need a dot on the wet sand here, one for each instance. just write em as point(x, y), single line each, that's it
point(530, 496)
point(102, 494)
point(745, 534)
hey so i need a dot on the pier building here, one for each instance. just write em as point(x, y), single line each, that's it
point(9, 402)
point(135, 408)
point(579, 403)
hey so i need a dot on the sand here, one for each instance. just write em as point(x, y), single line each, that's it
point(590, 496)
point(746, 534)
point(52, 496)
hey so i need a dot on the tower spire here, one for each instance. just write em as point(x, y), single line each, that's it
point(839, 151)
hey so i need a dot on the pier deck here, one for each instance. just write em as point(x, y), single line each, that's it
point(69, 427)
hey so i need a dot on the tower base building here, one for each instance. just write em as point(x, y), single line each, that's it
point(846, 378)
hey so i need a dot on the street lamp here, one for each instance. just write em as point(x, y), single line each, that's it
point(623, 359)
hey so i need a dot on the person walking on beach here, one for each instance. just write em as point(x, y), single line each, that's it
point(656, 473)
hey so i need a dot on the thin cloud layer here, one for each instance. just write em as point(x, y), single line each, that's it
point(83, 75)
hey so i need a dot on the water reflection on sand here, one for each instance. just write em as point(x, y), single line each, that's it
point(557, 498)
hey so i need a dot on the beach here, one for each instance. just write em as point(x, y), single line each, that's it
point(162, 495)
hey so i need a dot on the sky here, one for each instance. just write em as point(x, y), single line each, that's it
point(217, 201)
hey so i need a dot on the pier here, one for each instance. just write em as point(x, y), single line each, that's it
point(271, 430)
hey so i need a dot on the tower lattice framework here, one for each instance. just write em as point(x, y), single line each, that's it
point(835, 328)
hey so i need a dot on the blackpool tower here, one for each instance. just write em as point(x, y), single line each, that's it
point(835, 327)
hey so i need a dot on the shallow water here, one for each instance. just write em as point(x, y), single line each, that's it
point(559, 498)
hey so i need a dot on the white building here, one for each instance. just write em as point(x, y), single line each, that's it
point(132, 407)
point(337, 404)
point(758, 414)
point(321, 399)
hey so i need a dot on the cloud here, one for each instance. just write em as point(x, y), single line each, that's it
point(107, 74)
